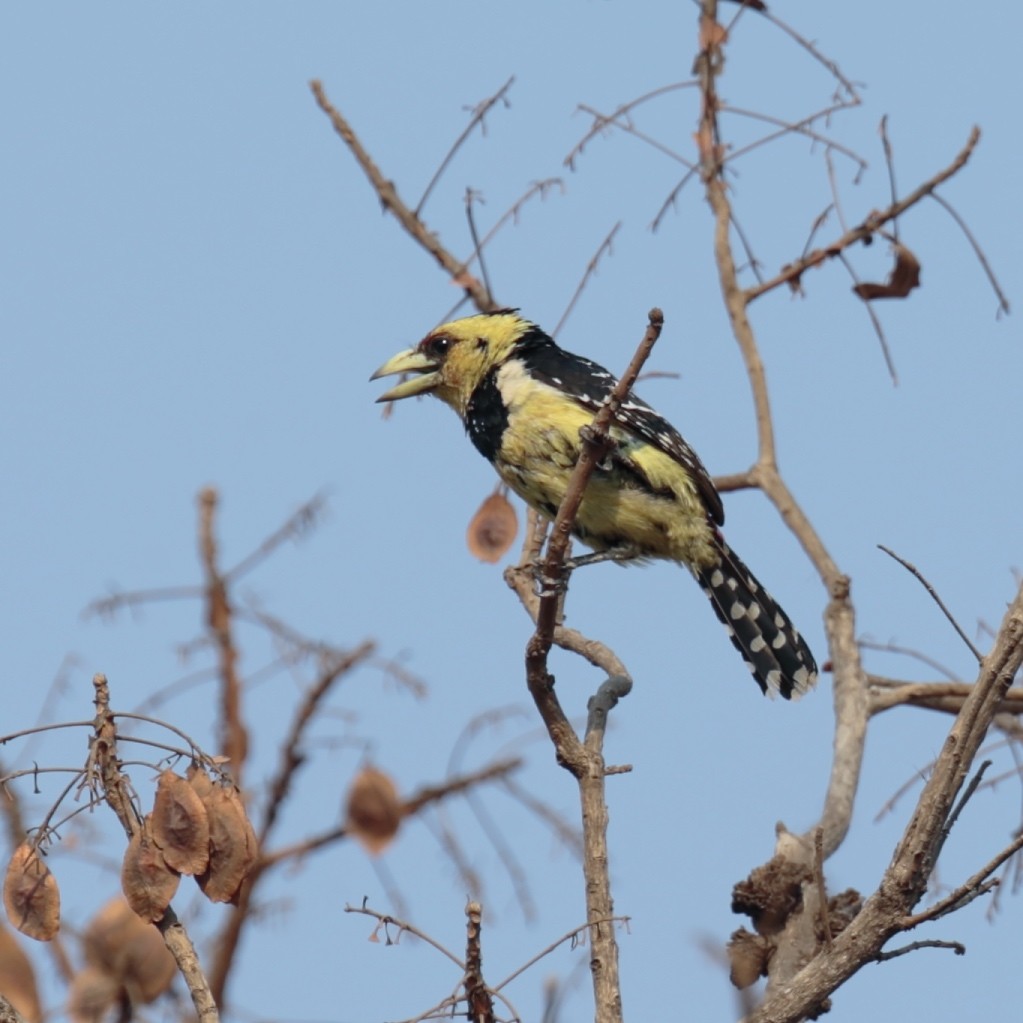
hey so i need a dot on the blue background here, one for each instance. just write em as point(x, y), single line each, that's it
point(196, 282)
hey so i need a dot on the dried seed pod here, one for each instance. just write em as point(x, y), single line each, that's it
point(17, 978)
point(31, 896)
point(92, 995)
point(374, 809)
point(748, 955)
point(147, 881)
point(199, 780)
point(180, 826)
point(132, 952)
point(492, 529)
point(233, 845)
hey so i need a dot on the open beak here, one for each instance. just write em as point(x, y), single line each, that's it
point(409, 361)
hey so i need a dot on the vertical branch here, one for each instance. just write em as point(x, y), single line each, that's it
point(850, 696)
point(711, 153)
point(104, 761)
point(585, 760)
point(887, 911)
point(234, 737)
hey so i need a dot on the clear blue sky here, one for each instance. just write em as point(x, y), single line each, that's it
point(195, 284)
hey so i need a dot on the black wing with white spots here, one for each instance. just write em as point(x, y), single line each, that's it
point(590, 383)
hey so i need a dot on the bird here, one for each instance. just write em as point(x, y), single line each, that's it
point(524, 401)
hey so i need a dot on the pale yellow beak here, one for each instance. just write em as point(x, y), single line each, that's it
point(409, 361)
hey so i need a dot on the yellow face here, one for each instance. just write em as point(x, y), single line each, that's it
point(452, 360)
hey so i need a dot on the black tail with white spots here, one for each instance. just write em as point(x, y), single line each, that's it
point(775, 653)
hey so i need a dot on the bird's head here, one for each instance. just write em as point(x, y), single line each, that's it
point(452, 360)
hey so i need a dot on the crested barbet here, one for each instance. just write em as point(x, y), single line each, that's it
point(524, 400)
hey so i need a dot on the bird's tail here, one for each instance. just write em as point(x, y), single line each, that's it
point(775, 653)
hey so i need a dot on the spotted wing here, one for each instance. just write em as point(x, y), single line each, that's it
point(590, 383)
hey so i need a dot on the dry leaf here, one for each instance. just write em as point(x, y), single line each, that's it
point(91, 995)
point(17, 979)
point(31, 896)
point(905, 276)
point(132, 952)
point(747, 957)
point(374, 809)
point(180, 826)
point(147, 881)
point(492, 529)
point(233, 845)
point(199, 780)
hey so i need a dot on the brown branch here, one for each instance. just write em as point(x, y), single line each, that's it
point(386, 920)
point(886, 912)
point(947, 697)
point(291, 759)
point(602, 122)
point(934, 596)
point(234, 736)
point(591, 269)
point(800, 127)
point(868, 228)
point(595, 446)
point(572, 936)
point(479, 112)
point(585, 760)
point(477, 994)
point(849, 690)
point(979, 884)
point(537, 188)
point(303, 519)
point(392, 202)
point(116, 788)
point(955, 946)
point(1003, 302)
point(875, 320)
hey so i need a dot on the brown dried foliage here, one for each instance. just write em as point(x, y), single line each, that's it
point(374, 809)
point(147, 881)
point(905, 276)
point(119, 945)
point(748, 955)
point(17, 979)
point(492, 529)
point(31, 896)
point(180, 825)
point(233, 845)
point(92, 995)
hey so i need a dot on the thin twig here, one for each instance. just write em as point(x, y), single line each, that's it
point(1003, 302)
point(874, 319)
point(392, 201)
point(470, 197)
point(889, 160)
point(572, 936)
point(591, 268)
point(876, 220)
point(956, 946)
point(537, 188)
point(303, 519)
point(601, 122)
point(800, 127)
point(479, 112)
point(937, 600)
point(964, 798)
point(386, 920)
